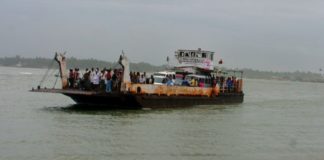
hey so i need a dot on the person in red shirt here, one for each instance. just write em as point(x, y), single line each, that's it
point(71, 78)
point(108, 81)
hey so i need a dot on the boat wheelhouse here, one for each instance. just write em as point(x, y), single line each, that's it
point(190, 60)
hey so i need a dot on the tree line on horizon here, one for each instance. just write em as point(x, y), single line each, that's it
point(73, 62)
point(39, 62)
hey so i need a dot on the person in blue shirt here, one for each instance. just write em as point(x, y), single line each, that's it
point(229, 84)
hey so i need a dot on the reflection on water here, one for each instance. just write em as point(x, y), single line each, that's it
point(278, 120)
point(103, 110)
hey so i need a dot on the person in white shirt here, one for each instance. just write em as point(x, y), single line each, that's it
point(142, 79)
point(96, 79)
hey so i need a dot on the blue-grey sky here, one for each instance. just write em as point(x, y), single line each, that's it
point(279, 35)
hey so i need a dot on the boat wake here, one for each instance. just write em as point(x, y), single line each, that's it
point(25, 73)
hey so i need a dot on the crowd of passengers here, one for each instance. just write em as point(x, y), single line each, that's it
point(105, 79)
point(137, 77)
point(110, 80)
point(95, 79)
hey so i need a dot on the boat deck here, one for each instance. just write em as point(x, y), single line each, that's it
point(66, 91)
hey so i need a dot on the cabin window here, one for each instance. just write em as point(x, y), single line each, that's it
point(211, 57)
point(181, 54)
point(187, 54)
point(198, 55)
point(193, 54)
point(203, 55)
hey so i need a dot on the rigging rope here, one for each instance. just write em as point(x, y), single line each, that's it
point(115, 64)
point(46, 73)
point(53, 71)
point(57, 76)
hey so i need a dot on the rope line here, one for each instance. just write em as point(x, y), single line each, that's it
point(57, 76)
point(46, 73)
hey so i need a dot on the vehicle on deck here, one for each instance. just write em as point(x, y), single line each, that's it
point(160, 77)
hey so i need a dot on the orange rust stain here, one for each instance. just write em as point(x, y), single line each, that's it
point(171, 90)
point(239, 85)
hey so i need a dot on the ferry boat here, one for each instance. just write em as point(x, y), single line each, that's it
point(192, 66)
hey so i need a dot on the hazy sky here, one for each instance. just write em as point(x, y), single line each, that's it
point(280, 35)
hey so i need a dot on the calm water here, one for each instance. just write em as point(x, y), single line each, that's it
point(278, 120)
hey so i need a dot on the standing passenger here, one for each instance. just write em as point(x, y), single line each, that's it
point(222, 81)
point(184, 81)
point(229, 84)
point(152, 79)
point(119, 79)
point(234, 84)
point(138, 76)
point(92, 75)
point(142, 79)
point(76, 78)
point(96, 79)
point(193, 82)
point(114, 80)
point(213, 81)
point(131, 76)
point(103, 79)
point(108, 81)
point(71, 78)
point(146, 80)
point(86, 85)
point(201, 83)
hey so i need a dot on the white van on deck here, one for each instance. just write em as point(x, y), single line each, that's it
point(159, 77)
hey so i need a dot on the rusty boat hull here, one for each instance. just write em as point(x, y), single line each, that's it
point(120, 100)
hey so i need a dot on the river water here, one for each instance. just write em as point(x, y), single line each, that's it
point(278, 120)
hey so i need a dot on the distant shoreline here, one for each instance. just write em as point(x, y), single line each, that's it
point(43, 63)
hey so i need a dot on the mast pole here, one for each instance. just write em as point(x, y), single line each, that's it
point(123, 61)
point(61, 60)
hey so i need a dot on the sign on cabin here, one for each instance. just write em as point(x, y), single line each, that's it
point(196, 58)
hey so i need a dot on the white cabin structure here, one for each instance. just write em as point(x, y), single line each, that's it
point(195, 58)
